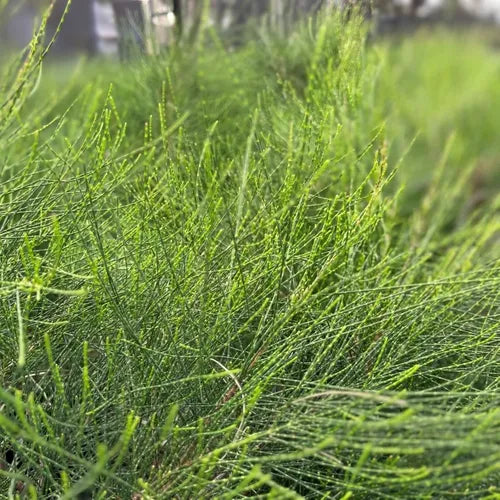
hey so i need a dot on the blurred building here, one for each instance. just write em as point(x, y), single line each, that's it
point(91, 26)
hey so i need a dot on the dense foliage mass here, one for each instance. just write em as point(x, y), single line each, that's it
point(269, 272)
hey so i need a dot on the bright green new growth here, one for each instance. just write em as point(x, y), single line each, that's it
point(213, 283)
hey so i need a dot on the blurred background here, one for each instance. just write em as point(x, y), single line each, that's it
point(100, 26)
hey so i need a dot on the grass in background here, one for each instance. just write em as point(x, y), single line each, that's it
point(438, 84)
point(231, 274)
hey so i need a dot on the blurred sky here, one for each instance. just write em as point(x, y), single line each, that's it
point(489, 8)
point(483, 8)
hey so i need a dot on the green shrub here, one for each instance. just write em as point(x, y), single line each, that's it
point(214, 285)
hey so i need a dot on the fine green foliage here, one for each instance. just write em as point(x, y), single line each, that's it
point(268, 272)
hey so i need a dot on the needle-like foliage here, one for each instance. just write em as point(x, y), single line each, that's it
point(214, 283)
